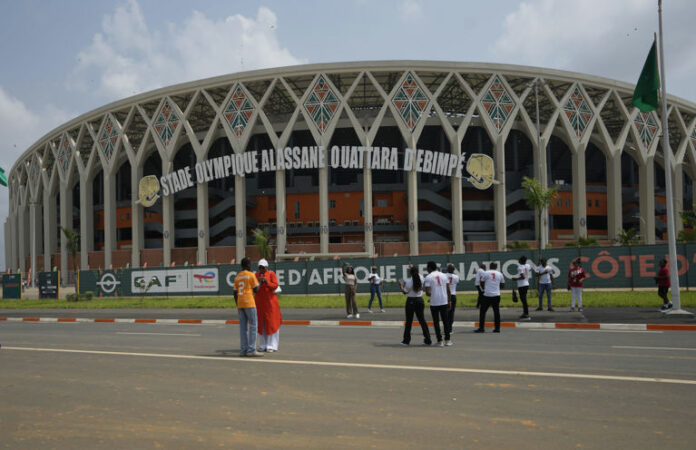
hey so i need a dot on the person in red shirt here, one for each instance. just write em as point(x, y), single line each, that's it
point(575, 276)
point(268, 308)
point(663, 284)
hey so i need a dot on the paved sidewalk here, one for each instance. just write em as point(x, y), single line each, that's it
point(633, 315)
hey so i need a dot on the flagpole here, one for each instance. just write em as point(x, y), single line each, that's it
point(667, 153)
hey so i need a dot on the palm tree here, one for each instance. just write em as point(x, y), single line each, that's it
point(538, 197)
point(73, 242)
point(262, 241)
point(627, 237)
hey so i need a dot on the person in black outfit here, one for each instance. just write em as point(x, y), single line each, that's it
point(413, 288)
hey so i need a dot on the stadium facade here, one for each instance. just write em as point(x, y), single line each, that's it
point(87, 175)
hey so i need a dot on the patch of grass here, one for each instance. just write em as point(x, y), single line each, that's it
point(596, 299)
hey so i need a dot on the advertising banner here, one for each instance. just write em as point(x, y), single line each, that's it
point(49, 284)
point(606, 267)
point(11, 286)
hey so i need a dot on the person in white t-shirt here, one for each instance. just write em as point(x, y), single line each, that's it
point(544, 272)
point(436, 288)
point(413, 288)
point(375, 288)
point(491, 282)
point(524, 272)
point(477, 282)
point(453, 280)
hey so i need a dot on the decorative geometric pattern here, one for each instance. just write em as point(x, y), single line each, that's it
point(34, 171)
point(693, 136)
point(577, 112)
point(410, 100)
point(647, 127)
point(498, 103)
point(65, 152)
point(238, 111)
point(108, 138)
point(166, 122)
point(321, 104)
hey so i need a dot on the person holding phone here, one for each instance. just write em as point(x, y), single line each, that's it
point(413, 288)
point(245, 287)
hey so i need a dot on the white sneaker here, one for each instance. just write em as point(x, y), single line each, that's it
point(440, 344)
point(370, 311)
point(349, 316)
point(381, 310)
point(357, 316)
point(448, 343)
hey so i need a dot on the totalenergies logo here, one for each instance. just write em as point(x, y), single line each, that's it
point(205, 278)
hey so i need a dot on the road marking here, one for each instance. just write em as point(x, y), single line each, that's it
point(565, 330)
point(366, 366)
point(160, 334)
point(656, 348)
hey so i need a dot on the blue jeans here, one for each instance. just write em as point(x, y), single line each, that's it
point(375, 289)
point(248, 327)
point(544, 287)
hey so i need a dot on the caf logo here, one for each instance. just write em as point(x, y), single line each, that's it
point(480, 167)
point(148, 190)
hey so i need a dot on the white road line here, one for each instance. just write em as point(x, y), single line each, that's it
point(593, 330)
point(656, 348)
point(160, 334)
point(366, 366)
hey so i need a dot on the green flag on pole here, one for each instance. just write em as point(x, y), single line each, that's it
point(3, 178)
point(645, 94)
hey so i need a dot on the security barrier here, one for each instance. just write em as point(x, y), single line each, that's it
point(607, 267)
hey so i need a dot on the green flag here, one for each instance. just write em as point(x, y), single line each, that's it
point(3, 178)
point(645, 94)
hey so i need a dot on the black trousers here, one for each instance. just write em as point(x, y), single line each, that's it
point(480, 296)
point(417, 306)
point(440, 313)
point(453, 301)
point(487, 302)
point(523, 298)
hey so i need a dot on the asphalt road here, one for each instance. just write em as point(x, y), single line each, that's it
point(100, 385)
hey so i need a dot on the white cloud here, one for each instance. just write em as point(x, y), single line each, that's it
point(410, 10)
point(127, 57)
point(606, 38)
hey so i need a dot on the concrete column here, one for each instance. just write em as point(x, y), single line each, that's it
point(324, 204)
point(499, 206)
point(456, 187)
point(137, 223)
point(109, 217)
point(413, 207)
point(544, 174)
point(86, 221)
point(167, 219)
point(49, 207)
point(281, 214)
point(367, 210)
point(678, 196)
point(21, 238)
point(65, 222)
point(239, 217)
point(202, 221)
point(579, 194)
point(34, 238)
point(646, 192)
point(614, 196)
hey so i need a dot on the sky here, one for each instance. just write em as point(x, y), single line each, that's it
point(63, 58)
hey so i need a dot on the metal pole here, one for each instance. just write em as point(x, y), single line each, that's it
point(667, 152)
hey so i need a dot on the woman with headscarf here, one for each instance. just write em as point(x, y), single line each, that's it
point(268, 309)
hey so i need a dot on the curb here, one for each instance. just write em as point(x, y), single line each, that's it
point(371, 323)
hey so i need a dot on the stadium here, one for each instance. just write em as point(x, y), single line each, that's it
point(185, 174)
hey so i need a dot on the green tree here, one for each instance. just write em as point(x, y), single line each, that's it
point(73, 241)
point(262, 241)
point(627, 237)
point(538, 197)
point(583, 242)
point(688, 218)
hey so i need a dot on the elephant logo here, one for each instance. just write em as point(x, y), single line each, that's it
point(480, 167)
point(148, 189)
